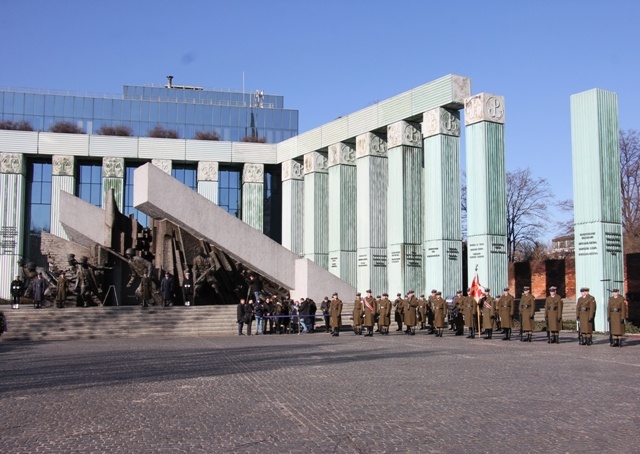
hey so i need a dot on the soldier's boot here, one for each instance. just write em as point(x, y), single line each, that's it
point(441, 331)
point(619, 341)
point(530, 336)
point(506, 334)
point(413, 331)
point(589, 341)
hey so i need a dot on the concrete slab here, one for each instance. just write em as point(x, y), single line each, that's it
point(161, 196)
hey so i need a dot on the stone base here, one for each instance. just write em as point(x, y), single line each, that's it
point(405, 268)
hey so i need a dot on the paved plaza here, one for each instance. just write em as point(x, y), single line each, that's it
point(317, 393)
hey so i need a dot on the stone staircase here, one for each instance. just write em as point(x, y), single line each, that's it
point(106, 322)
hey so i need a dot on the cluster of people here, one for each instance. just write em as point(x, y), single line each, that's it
point(275, 316)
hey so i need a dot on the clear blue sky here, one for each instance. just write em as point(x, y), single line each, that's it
point(330, 58)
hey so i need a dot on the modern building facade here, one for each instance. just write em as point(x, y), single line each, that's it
point(374, 196)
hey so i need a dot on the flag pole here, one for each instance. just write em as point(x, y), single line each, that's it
point(478, 302)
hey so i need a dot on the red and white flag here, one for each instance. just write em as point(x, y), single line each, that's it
point(476, 289)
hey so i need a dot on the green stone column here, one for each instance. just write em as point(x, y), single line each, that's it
point(208, 180)
point(316, 209)
point(62, 179)
point(12, 215)
point(404, 208)
point(442, 188)
point(486, 191)
point(342, 211)
point(113, 178)
point(597, 199)
point(373, 178)
point(292, 206)
point(253, 195)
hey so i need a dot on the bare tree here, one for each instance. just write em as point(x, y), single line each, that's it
point(630, 182)
point(527, 201)
point(565, 227)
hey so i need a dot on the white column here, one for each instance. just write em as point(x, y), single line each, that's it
point(316, 209)
point(62, 179)
point(292, 206)
point(253, 195)
point(208, 180)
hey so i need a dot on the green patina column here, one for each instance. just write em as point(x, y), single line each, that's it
point(442, 221)
point(113, 178)
point(373, 178)
point(12, 229)
point(342, 212)
point(404, 208)
point(253, 195)
point(486, 191)
point(316, 209)
point(208, 180)
point(597, 198)
point(292, 206)
point(62, 179)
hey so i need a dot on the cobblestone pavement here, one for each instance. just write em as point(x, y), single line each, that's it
point(317, 393)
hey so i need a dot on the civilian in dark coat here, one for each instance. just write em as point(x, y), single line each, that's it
point(166, 289)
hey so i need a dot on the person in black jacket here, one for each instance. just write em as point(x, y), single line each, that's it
point(16, 292)
point(166, 289)
point(259, 311)
point(187, 288)
point(248, 315)
point(304, 314)
point(240, 313)
point(255, 287)
point(324, 307)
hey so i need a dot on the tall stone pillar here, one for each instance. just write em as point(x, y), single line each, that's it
point(208, 180)
point(113, 178)
point(404, 208)
point(442, 221)
point(12, 228)
point(316, 209)
point(292, 206)
point(597, 199)
point(373, 178)
point(62, 179)
point(342, 212)
point(486, 190)
point(253, 195)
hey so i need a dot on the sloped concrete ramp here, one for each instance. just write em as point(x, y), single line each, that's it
point(161, 196)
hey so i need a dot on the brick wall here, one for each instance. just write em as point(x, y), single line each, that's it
point(57, 249)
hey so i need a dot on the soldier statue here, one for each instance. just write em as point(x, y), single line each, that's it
point(585, 314)
point(553, 316)
point(527, 313)
point(616, 314)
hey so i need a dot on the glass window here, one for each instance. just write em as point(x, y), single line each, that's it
point(190, 113)
point(90, 183)
point(68, 105)
point(18, 104)
point(181, 114)
point(204, 115)
point(128, 195)
point(107, 108)
point(88, 108)
point(185, 174)
point(229, 191)
point(38, 204)
point(126, 111)
point(116, 112)
point(8, 102)
point(144, 111)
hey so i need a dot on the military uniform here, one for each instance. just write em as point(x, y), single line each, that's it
point(527, 311)
point(457, 320)
point(422, 311)
point(553, 316)
point(506, 307)
point(488, 308)
point(429, 309)
point(470, 312)
point(439, 311)
point(585, 313)
point(370, 310)
point(358, 312)
point(335, 314)
point(616, 313)
point(398, 305)
point(410, 313)
point(384, 313)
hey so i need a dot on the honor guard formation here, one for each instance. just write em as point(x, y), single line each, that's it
point(480, 316)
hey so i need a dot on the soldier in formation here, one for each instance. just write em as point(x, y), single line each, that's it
point(553, 316)
point(384, 314)
point(470, 313)
point(61, 290)
point(422, 312)
point(429, 309)
point(488, 311)
point(398, 306)
point(616, 314)
point(335, 314)
point(527, 313)
point(585, 314)
point(456, 317)
point(506, 307)
point(370, 307)
point(439, 311)
point(410, 313)
point(358, 314)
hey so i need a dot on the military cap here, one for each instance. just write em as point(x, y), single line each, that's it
point(459, 291)
point(434, 291)
point(398, 294)
point(506, 289)
point(369, 291)
point(358, 294)
point(552, 289)
point(526, 288)
point(422, 296)
point(468, 289)
point(438, 293)
point(385, 294)
point(411, 291)
point(487, 289)
point(378, 297)
point(335, 294)
point(584, 289)
point(615, 290)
